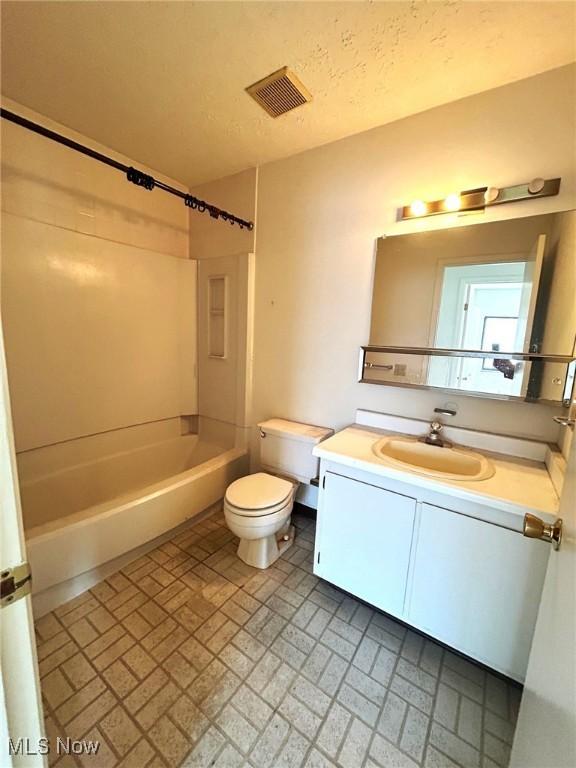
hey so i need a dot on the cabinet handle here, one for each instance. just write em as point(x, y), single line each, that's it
point(535, 528)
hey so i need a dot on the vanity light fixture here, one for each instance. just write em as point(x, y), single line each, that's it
point(481, 198)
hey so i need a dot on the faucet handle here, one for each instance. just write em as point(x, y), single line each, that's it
point(446, 411)
point(435, 427)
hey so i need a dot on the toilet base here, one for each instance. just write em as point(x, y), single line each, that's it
point(261, 553)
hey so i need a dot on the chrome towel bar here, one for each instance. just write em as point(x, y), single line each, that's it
point(380, 367)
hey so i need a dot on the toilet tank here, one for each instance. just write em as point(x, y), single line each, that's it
point(286, 448)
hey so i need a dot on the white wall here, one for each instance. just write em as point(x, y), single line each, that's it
point(319, 215)
point(98, 293)
point(225, 385)
point(211, 238)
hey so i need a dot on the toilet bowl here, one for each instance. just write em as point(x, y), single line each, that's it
point(257, 509)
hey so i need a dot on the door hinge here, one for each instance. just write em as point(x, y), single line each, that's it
point(15, 583)
point(324, 482)
point(466, 307)
point(318, 558)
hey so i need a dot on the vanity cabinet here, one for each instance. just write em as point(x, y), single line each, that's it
point(364, 541)
point(450, 571)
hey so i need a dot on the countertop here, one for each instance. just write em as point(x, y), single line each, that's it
point(517, 486)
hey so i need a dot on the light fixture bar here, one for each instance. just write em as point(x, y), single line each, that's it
point(481, 198)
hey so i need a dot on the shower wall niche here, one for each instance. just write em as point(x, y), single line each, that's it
point(217, 315)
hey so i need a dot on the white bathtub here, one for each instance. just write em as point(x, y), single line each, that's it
point(84, 516)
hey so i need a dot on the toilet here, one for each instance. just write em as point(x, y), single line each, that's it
point(257, 508)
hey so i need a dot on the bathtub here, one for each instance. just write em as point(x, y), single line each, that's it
point(81, 517)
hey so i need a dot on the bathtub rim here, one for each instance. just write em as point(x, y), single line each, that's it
point(53, 528)
point(45, 475)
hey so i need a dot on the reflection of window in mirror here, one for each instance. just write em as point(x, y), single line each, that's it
point(498, 334)
point(472, 293)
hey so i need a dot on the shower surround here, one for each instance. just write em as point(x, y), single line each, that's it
point(99, 313)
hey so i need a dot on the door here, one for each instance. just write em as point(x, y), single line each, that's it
point(365, 535)
point(546, 730)
point(20, 703)
point(476, 586)
point(530, 284)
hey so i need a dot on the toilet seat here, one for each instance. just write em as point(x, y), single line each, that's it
point(258, 514)
point(258, 495)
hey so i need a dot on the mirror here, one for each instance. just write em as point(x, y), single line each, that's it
point(504, 287)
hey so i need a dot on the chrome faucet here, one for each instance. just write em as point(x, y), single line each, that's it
point(433, 437)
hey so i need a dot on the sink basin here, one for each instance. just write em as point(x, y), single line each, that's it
point(448, 463)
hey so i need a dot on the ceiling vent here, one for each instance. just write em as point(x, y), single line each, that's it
point(280, 92)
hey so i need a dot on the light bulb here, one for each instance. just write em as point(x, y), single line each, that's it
point(452, 202)
point(418, 208)
point(491, 195)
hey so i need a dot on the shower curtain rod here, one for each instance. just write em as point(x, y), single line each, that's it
point(133, 175)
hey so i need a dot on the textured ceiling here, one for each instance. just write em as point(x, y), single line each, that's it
point(163, 82)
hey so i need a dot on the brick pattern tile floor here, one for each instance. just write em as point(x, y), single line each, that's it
point(190, 657)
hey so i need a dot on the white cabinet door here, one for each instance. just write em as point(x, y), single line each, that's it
point(476, 586)
point(365, 534)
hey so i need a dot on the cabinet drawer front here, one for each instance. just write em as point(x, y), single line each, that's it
point(365, 539)
point(476, 586)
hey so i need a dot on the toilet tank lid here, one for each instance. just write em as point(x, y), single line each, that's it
point(294, 430)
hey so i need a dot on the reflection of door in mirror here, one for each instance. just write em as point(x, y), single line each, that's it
point(530, 285)
point(486, 306)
